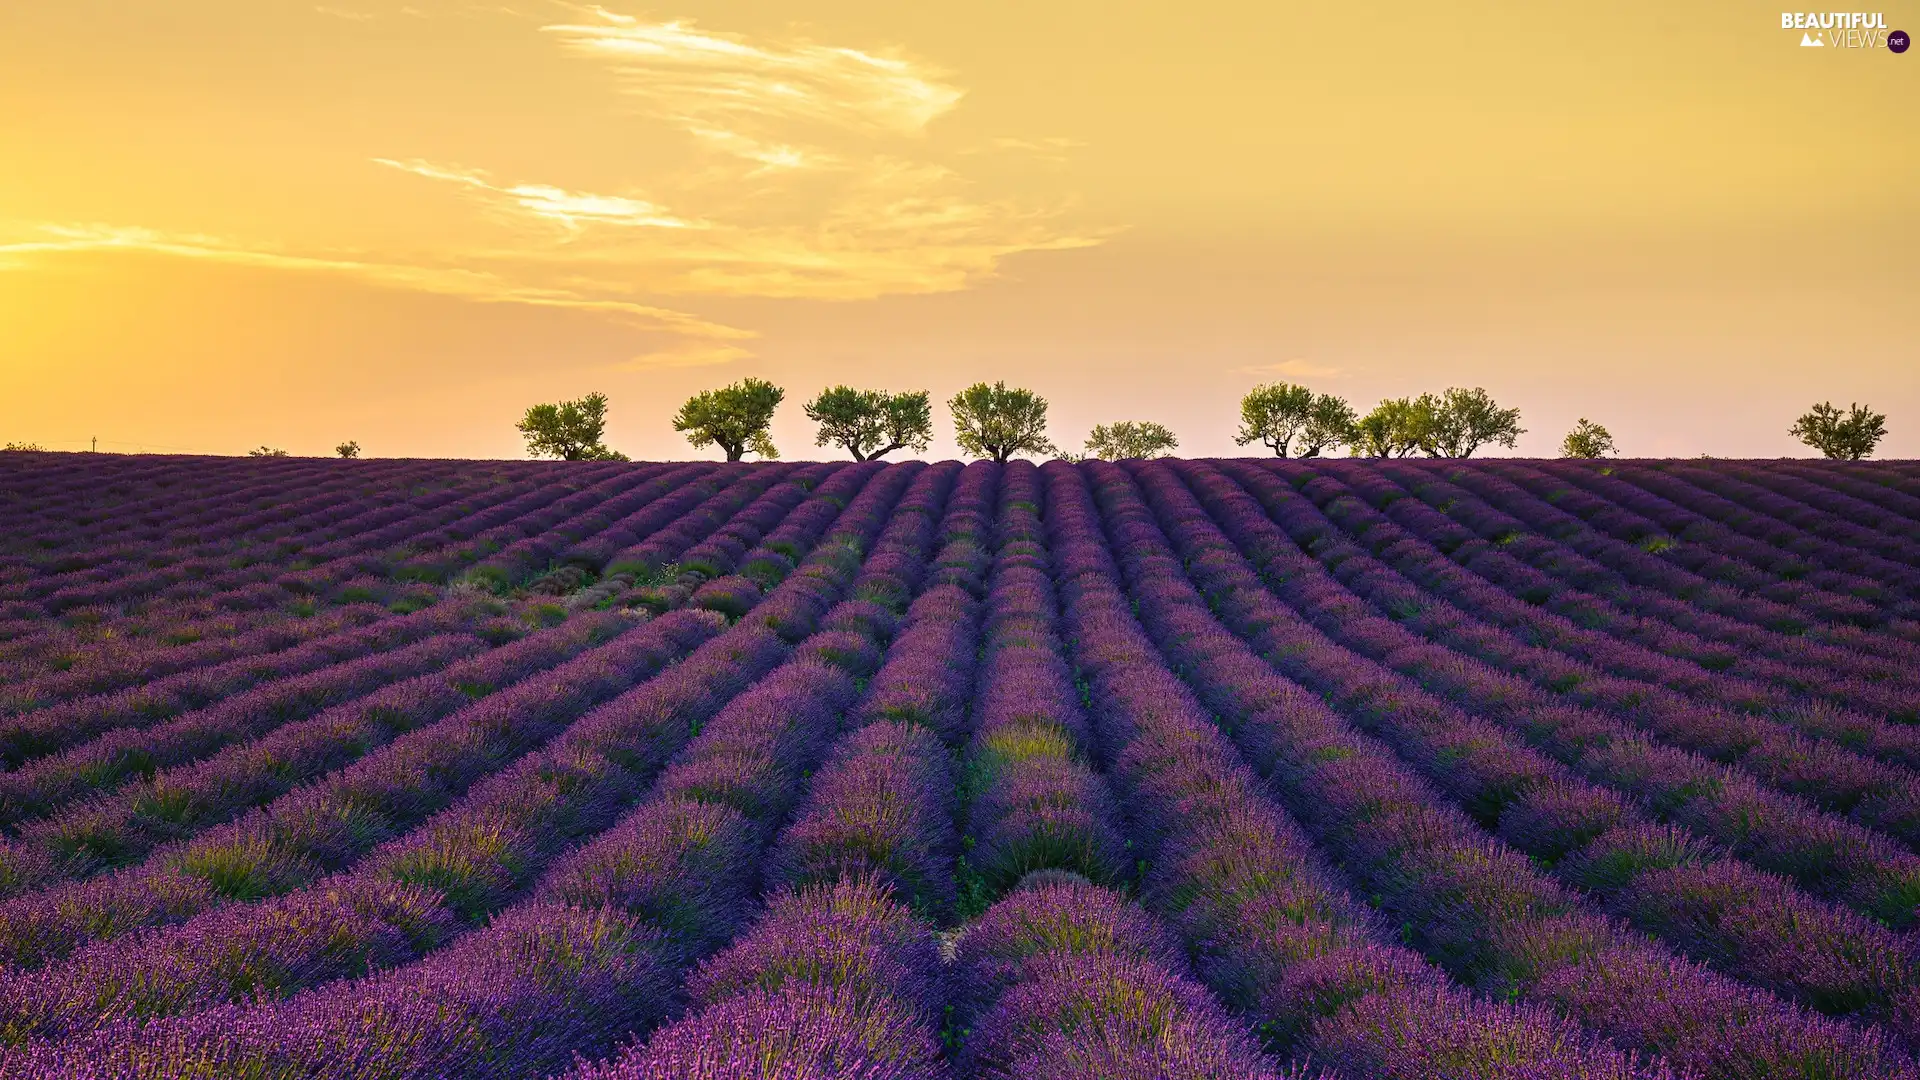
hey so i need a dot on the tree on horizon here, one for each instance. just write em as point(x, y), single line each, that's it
point(1130, 439)
point(735, 417)
point(997, 422)
point(568, 430)
point(1839, 436)
point(1587, 440)
point(870, 424)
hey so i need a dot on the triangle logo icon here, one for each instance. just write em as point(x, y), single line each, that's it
point(1808, 41)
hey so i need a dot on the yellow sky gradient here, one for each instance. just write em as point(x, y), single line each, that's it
point(227, 223)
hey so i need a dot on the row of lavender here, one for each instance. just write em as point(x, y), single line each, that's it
point(93, 619)
point(932, 807)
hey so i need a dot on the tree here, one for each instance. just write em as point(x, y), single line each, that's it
point(734, 417)
point(1847, 436)
point(1465, 420)
point(266, 451)
point(1587, 440)
point(23, 447)
point(568, 430)
point(1373, 434)
point(1395, 428)
point(1130, 439)
point(1329, 425)
point(872, 423)
point(1273, 414)
point(348, 449)
point(993, 421)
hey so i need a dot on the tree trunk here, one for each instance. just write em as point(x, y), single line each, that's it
point(735, 453)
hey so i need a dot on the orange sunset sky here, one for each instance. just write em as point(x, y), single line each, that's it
point(233, 222)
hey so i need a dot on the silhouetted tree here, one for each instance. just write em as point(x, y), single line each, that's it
point(568, 430)
point(870, 424)
point(735, 418)
point(348, 449)
point(1130, 439)
point(266, 451)
point(993, 421)
point(1847, 436)
point(1587, 440)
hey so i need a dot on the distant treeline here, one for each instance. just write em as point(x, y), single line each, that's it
point(1001, 422)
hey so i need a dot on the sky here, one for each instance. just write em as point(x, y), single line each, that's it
point(233, 223)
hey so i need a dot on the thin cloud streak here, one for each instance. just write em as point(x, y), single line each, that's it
point(685, 353)
point(459, 282)
point(771, 156)
point(1299, 369)
point(718, 80)
point(568, 208)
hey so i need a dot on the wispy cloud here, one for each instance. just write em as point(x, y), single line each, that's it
point(721, 81)
point(571, 209)
point(814, 167)
point(464, 282)
point(1052, 151)
point(771, 156)
point(805, 170)
point(685, 353)
point(891, 227)
point(1299, 369)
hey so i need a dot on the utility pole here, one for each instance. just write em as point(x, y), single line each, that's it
point(96, 445)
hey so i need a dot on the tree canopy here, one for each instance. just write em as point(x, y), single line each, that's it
point(1587, 440)
point(1273, 414)
point(1451, 425)
point(1130, 439)
point(870, 424)
point(1329, 425)
point(266, 451)
point(1847, 436)
point(568, 430)
point(1395, 428)
point(1465, 420)
point(735, 418)
point(348, 449)
point(993, 421)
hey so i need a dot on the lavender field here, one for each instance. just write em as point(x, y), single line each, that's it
point(1157, 769)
